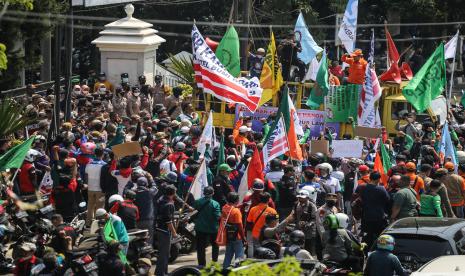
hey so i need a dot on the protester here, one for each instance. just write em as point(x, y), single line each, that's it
point(405, 200)
point(382, 262)
point(206, 226)
point(234, 229)
point(357, 66)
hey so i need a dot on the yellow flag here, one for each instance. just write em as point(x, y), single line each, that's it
point(271, 78)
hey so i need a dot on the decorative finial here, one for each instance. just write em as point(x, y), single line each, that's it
point(129, 9)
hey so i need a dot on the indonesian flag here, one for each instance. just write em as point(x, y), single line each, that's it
point(254, 170)
point(277, 144)
point(214, 78)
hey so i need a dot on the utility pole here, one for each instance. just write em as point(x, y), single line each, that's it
point(57, 89)
point(46, 50)
point(68, 62)
point(246, 12)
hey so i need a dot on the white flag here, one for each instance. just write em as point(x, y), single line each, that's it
point(451, 46)
point(348, 30)
point(244, 185)
point(200, 181)
point(312, 70)
point(297, 126)
point(206, 137)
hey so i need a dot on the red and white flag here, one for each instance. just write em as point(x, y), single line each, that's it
point(277, 143)
point(214, 78)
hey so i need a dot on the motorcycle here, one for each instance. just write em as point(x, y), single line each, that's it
point(138, 246)
point(79, 221)
point(84, 265)
point(186, 231)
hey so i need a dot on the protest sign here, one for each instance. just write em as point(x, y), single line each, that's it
point(342, 102)
point(314, 119)
point(319, 146)
point(126, 149)
point(367, 132)
point(347, 148)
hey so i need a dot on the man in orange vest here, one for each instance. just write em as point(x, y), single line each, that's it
point(357, 66)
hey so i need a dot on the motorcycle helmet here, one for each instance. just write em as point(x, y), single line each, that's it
point(325, 166)
point(88, 147)
point(208, 191)
point(264, 253)
point(331, 222)
point(343, 220)
point(129, 194)
point(180, 146)
point(142, 79)
point(31, 155)
point(115, 198)
point(317, 158)
point(297, 237)
point(312, 192)
point(385, 242)
point(275, 165)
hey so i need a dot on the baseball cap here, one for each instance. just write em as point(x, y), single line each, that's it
point(243, 129)
point(100, 213)
point(224, 167)
point(303, 194)
point(363, 168)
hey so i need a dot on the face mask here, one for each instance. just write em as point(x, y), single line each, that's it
point(102, 79)
point(125, 80)
point(330, 203)
point(77, 91)
point(136, 94)
point(324, 174)
point(102, 89)
point(142, 270)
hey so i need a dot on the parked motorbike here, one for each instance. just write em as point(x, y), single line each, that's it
point(138, 246)
point(186, 231)
point(82, 266)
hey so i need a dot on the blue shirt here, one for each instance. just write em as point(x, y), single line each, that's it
point(383, 263)
point(375, 201)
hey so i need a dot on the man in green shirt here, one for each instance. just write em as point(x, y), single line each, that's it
point(405, 200)
point(206, 224)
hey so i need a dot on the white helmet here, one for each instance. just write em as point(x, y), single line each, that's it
point(312, 193)
point(461, 156)
point(338, 175)
point(343, 220)
point(31, 155)
point(114, 198)
point(326, 166)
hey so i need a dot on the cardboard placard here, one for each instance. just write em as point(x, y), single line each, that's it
point(347, 148)
point(126, 149)
point(319, 146)
point(368, 132)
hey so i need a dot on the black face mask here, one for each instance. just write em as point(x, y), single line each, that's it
point(330, 203)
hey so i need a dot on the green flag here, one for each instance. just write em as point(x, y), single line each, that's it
point(228, 52)
point(428, 83)
point(221, 158)
point(110, 235)
point(15, 156)
point(462, 99)
point(317, 94)
point(386, 159)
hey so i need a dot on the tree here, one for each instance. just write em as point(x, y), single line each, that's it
point(13, 118)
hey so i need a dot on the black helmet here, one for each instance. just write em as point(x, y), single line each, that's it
point(102, 74)
point(275, 165)
point(208, 191)
point(142, 78)
point(158, 78)
point(297, 237)
point(135, 88)
point(129, 194)
point(317, 158)
point(264, 253)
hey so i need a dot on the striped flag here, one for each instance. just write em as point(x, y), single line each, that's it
point(214, 78)
point(277, 143)
point(371, 92)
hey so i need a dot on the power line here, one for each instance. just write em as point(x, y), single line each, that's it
point(186, 35)
point(225, 24)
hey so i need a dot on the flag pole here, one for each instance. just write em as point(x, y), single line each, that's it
point(452, 73)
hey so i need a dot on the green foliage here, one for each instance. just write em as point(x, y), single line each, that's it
point(13, 118)
point(3, 58)
point(184, 68)
point(27, 56)
point(289, 266)
point(186, 90)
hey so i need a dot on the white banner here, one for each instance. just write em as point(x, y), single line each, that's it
point(347, 148)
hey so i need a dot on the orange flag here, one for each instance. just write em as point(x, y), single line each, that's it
point(379, 168)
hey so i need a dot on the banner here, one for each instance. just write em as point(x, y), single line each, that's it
point(342, 102)
point(277, 144)
point(347, 148)
point(314, 119)
point(214, 78)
